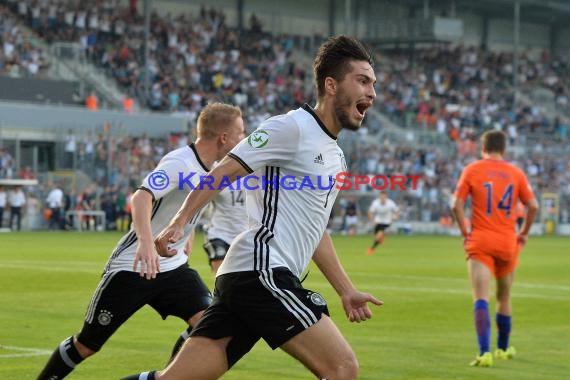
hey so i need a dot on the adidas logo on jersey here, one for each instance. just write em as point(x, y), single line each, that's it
point(319, 159)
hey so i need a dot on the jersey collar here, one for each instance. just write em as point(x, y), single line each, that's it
point(310, 110)
point(193, 147)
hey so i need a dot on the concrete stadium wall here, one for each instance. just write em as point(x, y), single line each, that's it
point(45, 123)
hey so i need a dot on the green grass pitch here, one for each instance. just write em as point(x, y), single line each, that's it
point(423, 331)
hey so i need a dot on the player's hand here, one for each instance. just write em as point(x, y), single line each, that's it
point(521, 240)
point(148, 259)
point(169, 235)
point(466, 240)
point(356, 307)
point(188, 247)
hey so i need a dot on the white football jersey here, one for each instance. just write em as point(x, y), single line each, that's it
point(168, 184)
point(383, 213)
point(229, 216)
point(294, 162)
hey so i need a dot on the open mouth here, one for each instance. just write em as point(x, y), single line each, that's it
point(361, 107)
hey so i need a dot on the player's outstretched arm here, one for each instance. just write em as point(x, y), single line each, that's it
point(146, 260)
point(228, 170)
point(355, 303)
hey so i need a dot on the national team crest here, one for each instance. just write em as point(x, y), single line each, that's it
point(258, 139)
point(317, 299)
point(104, 317)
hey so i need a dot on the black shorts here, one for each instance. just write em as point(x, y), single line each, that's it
point(179, 292)
point(259, 304)
point(380, 227)
point(216, 249)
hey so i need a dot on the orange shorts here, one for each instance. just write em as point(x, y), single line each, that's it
point(497, 251)
point(499, 263)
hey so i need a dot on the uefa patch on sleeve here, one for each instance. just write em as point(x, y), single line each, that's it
point(258, 139)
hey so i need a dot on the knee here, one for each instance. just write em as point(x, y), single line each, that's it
point(344, 369)
point(83, 350)
point(503, 295)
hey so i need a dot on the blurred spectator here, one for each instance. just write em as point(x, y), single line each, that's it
point(54, 202)
point(26, 173)
point(87, 203)
point(2, 204)
point(128, 104)
point(91, 102)
point(33, 212)
point(6, 164)
point(17, 200)
point(70, 150)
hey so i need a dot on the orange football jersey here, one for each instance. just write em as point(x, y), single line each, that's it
point(495, 187)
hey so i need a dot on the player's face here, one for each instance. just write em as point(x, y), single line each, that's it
point(355, 95)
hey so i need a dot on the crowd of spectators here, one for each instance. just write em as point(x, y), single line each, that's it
point(20, 55)
point(461, 91)
point(193, 59)
point(451, 90)
point(429, 201)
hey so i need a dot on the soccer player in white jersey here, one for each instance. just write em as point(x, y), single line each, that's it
point(135, 275)
point(258, 294)
point(381, 212)
point(227, 220)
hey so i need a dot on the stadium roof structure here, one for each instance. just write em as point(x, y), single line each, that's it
point(552, 12)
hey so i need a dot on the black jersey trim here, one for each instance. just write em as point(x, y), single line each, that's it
point(148, 191)
point(193, 147)
point(241, 162)
point(310, 110)
point(265, 232)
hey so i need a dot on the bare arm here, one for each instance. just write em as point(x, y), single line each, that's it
point(355, 303)
point(189, 243)
point(532, 210)
point(458, 210)
point(145, 254)
point(228, 168)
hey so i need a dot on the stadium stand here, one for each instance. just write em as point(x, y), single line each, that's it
point(433, 102)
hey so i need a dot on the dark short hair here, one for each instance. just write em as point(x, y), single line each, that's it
point(333, 59)
point(494, 141)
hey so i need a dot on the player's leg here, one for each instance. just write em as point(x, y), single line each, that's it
point(296, 320)
point(503, 317)
point(480, 277)
point(113, 302)
point(378, 234)
point(216, 343)
point(185, 334)
point(381, 236)
point(200, 358)
point(324, 351)
point(181, 293)
point(216, 250)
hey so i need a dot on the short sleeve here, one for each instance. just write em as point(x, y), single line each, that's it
point(165, 177)
point(463, 185)
point(274, 143)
